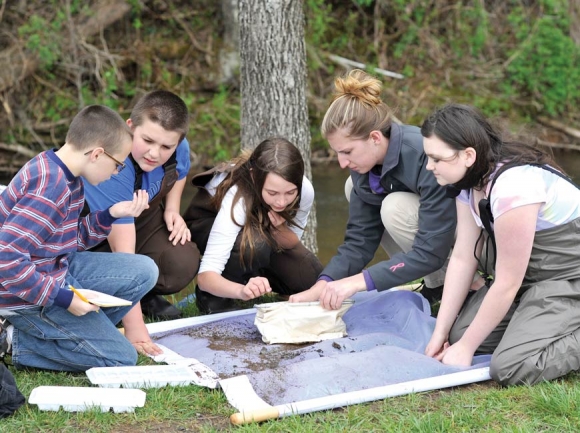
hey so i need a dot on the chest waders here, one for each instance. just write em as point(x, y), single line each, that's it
point(539, 338)
point(178, 264)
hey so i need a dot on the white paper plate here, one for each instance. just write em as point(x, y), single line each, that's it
point(142, 376)
point(79, 399)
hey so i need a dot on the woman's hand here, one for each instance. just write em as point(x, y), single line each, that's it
point(255, 288)
point(436, 345)
point(456, 354)
point(132, 208)
point(335, 292)
point(178, 230)
point(310, 295)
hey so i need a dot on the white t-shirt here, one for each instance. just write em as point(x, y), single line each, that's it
point(224, 231)
point(527, 184)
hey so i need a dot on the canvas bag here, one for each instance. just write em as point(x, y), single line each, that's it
point(299, 322)
point(10, 397)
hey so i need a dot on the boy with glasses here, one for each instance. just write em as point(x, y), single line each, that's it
point(43, 324)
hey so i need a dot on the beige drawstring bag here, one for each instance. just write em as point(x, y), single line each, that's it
point(299, 322)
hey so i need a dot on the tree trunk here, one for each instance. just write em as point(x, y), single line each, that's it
point(273, 80)
point(229, 55)
point(574, 13)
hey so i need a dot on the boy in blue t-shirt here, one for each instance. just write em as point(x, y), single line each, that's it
point(158, 163)
point(42, 241)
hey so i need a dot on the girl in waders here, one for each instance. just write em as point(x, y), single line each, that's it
point(514, 199)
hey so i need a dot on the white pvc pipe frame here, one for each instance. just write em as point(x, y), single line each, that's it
point(362, 396)
point(331, 401)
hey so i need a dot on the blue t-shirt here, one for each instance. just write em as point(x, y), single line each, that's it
point(120, 186)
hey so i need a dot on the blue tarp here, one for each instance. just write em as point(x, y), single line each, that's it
point(387, 335)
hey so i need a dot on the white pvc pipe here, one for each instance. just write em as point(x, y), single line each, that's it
point(362, 396)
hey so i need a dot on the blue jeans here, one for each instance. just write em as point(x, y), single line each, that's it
point(54, 339)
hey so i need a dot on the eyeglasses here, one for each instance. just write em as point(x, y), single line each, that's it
point(120, 165)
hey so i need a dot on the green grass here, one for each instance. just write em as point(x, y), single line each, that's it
point(553, 406)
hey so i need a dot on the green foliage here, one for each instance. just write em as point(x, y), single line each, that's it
point(215, 124)
point(364, 3)
point(509, 58)
point(41, 38)
point(490, 54)
point(546, 65)
point(319, 22)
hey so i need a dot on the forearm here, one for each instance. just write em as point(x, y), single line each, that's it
point(123, 238)
point(514, 233)
point(214, 283)
point(173, 198)
point(458, 280)
point(285, 238)
point(354, 283)
point(133, 320)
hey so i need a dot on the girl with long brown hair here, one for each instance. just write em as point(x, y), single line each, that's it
point(247, 220)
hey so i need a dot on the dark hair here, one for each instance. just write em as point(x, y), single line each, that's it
point(463, 126)
point(357, 107)
point(273, 155)
point(98, 125)
point(164, 108)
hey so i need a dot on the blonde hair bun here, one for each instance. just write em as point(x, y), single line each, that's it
point(360, 85)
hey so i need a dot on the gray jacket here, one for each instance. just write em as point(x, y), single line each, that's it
point(403, 170)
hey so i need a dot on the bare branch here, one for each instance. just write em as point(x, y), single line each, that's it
point(567, 146)
point(18, 63)
point(572, 132)
point(19, 149)
point(353, 64)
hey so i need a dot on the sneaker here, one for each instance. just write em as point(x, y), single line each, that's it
point(433, 295)
point(211, 304)
point(156, 307)
point(5, 344)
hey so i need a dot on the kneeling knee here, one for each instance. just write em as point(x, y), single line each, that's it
point(148, 271)
point(177, 268)
point(507, 371)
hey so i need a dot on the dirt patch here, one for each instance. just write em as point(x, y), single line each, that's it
point(244, 341)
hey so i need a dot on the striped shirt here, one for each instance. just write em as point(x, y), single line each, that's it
point(40, 226)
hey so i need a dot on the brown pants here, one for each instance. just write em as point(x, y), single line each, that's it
point(288, 271)
point(539, 339)
point(178, 265)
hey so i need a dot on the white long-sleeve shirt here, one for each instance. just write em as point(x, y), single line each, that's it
point(224, 231)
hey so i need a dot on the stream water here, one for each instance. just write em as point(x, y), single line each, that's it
point(332, 207)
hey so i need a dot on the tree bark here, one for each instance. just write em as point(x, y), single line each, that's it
point(18, 63)
point(273, 80)
point(229, 55)
point(574, 13)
